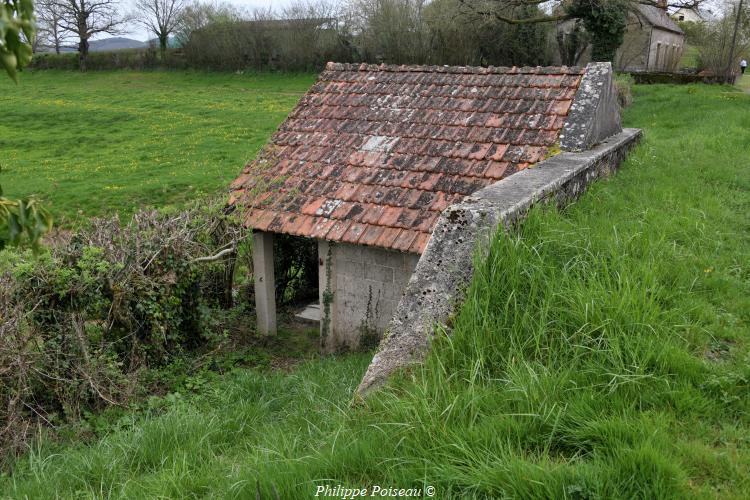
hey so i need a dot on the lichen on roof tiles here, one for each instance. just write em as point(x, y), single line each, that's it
point(373, 153)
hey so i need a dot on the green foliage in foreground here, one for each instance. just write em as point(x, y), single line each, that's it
point(119, 141)
point(16, 26)
point(22, 222)
point(19, 219)
point(600, 353)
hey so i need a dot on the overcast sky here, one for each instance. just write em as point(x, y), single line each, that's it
point(138, 33)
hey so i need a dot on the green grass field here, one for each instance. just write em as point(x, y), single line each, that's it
point(603, 352)
point(119, 141)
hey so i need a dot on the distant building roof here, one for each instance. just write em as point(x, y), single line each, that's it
point(701, 13)
point(657, 17)
point(372, 154)
point(287, 24)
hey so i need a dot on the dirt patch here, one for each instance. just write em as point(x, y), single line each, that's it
point(719, 351)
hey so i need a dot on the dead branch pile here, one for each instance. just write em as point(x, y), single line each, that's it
point(78, 320)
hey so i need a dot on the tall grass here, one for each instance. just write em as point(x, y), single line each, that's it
point(600, 353)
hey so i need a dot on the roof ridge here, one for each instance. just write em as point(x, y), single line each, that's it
point(465, 70)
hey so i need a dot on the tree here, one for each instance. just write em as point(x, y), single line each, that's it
point(729, 73)
point(604, 20)
point(572, 45)
point(392, 31)
point(50, 32)
point(722, 41)
point(160, 17)
point(196, 16)
point(86, 18)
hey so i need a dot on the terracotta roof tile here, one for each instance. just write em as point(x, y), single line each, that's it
point(388, 237)
point(405, 239)
point(419, 243)
point(497, 169)
point(372, 154)
point(338, 230)
point(259, 219)
point(353, 233)
point(371, 235)
point(321, 227)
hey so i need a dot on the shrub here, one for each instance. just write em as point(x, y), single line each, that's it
point(78, 322)
point(715, 46)
point(133, 59)
point(306, 35)
point(624, 85)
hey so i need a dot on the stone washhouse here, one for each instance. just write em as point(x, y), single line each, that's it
point(372, 155)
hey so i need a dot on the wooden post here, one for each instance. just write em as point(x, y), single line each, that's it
point(265, 289)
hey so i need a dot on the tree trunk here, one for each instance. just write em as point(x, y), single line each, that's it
point(83, 52)
point(729, 77)
point(163, 47)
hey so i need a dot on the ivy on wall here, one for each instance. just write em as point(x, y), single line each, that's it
point(606, 21)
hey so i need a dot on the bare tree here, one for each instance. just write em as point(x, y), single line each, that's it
point(87, 18)
point(50, 33)
point(394, 31)
point(604, 20)
point(553, 10)
point(195, 16)
point(160, 17)
point(308, 35)
point(721, 41)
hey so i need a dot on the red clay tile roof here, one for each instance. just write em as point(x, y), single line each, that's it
point(372, 154)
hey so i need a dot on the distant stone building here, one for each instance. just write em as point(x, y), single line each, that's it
point(653, 42)
point(372, 155)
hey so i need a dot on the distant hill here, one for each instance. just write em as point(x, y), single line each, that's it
point(172, 42)
point(106, 45)
point(115, 43)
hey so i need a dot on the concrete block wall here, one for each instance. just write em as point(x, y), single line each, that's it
point(360, 288)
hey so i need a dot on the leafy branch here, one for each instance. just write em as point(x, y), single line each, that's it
point(21, 221)
point(17, 30)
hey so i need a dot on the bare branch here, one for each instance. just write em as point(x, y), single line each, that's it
point(160, 17)
point(509, 5)
point(86, 18)
point(214, 258)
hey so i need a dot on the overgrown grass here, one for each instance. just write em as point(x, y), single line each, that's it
point(743, 82)
point(92, 144)
point(690, 57)
point(600, 353)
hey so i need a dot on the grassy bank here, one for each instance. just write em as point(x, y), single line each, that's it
point(96, 143)
point(601, 353)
